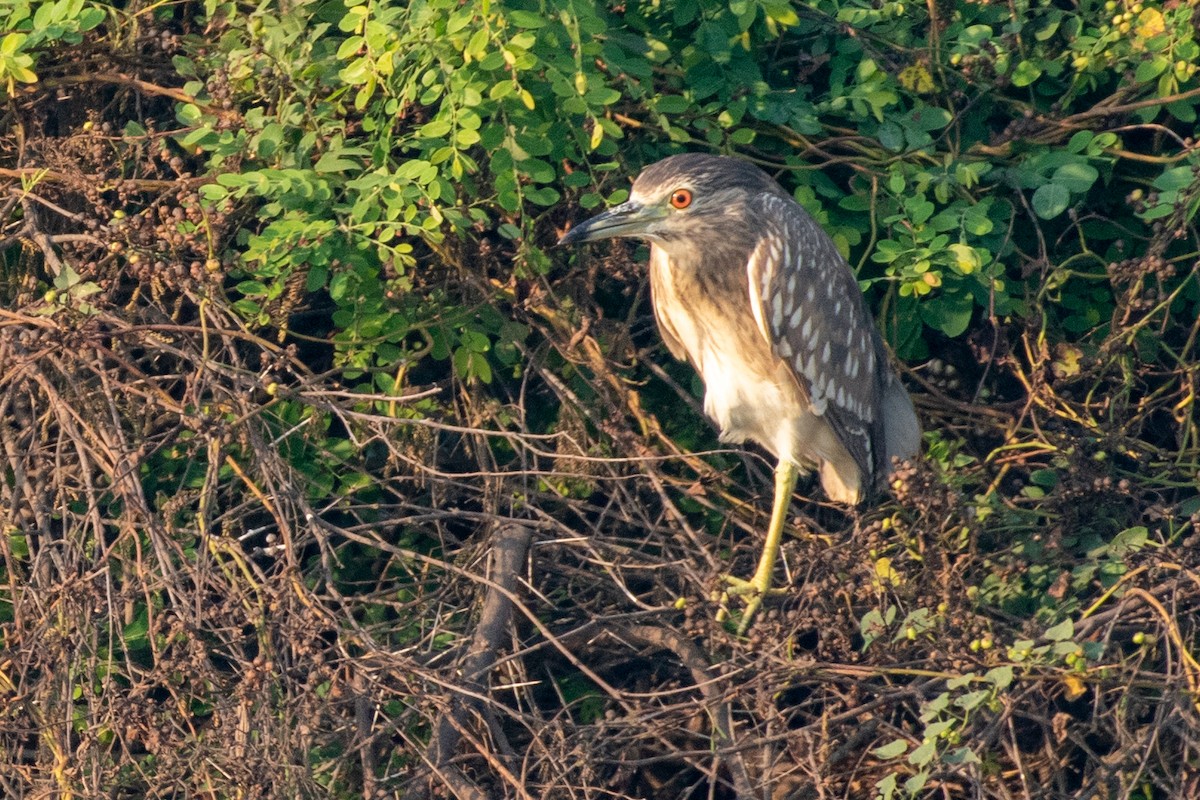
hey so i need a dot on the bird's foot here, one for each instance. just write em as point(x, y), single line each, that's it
point(754, 591)
point(757, 588)
point(742, 586)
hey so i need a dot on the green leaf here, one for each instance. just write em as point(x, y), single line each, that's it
point(927, 118)
point(1000, 677)
point(90, 17)
point(1026, 73)
point(188, 113)
point(671, 104)
point(896, 747)
point(871, 627)
point(1050, 200)
point(1189, 506)
point(923, 754)
point(891, 136)
point(349, 47)
point(966, 259)
point(1128, 541)
point(135, 632)
point(916, 783)
point(11, 43)
point(334, 162)
point(1183, 110)
point(742, 136)
point(1080, 141)
point(1076, 177)
point(949, 312)
point(1046, 478)
point(252, 288)
point(1151, 69)
point(1174, 179)
point(356, 71)
point(972, 700)
point(481, 368)
point(247, 308)
point(961, 755)
point(475, 341)
point(960, 681)
point(1046, 31)
point(1061, 632)
point(526, 19)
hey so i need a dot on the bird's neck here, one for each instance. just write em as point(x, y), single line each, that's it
point(714, 284)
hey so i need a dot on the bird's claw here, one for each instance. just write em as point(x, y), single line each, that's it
point(742, 586)
point(752, 591)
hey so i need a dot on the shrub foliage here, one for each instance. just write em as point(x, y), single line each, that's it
point(326, 475)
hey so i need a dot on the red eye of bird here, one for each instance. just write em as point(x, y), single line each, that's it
point(681, 198)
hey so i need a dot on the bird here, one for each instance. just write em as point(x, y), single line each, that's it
point(747, 287)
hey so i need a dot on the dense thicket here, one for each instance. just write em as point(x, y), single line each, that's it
point(325, 475)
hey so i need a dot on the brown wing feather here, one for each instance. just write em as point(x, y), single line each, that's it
point(811, 310)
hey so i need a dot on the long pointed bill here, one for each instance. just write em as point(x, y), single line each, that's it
point(627, 219)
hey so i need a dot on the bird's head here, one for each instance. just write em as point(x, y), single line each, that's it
point(693, 200)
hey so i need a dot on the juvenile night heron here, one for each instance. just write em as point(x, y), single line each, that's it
point(749, 289)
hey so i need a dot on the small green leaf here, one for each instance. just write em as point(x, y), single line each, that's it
point(247, 308)
point(1046, 478)
point(961, 681)
point(135, 632)
point(1174, 178)
point(923, 754)
point(1000, 677)
point(741, 136)
point(18, 545)
point(965, 258)
point(1151, 69)
point(1050, 200)
point(475, 341)
point(526, 19)
point(1128, 541)
point(916, 783)
point(961, 755)
point(896, 747)
point(1061, 632)
point(1026, 73)
point(13, 41)
point(935, 729)
point(949, 313)
point(972, 700)
point(349, 47)
point(252, 288)
point(481, 369)
point(90, 18)
point(671, 104)
point(1080, 141)
point(1046, 31)
point(1077, 177)
point(212, 192)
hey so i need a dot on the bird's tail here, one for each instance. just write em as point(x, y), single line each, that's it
point(901, 429)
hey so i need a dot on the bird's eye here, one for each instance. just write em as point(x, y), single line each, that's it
point(681, 198)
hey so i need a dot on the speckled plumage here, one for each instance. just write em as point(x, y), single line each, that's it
point(749, 289)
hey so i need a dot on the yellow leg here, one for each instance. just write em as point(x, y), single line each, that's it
point(758, 586)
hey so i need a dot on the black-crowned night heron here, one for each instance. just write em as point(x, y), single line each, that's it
point(748, 288)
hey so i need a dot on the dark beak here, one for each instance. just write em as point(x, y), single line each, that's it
point(627, 219)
